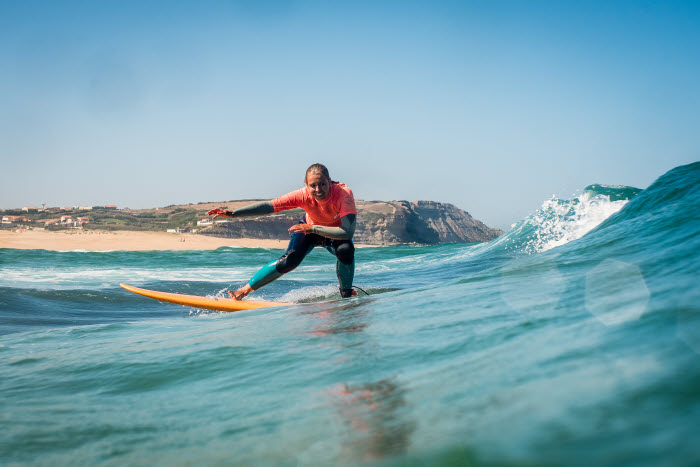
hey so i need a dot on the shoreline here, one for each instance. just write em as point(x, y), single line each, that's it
point(124, 240)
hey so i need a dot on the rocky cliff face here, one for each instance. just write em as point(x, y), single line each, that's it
point(425, 222)
point(378, 223)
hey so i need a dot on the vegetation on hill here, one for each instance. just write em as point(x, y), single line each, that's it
point(182, 217)
point(160, 219)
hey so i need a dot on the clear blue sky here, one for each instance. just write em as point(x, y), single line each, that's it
point(493, 106)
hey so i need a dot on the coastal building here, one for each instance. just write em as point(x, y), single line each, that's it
point(70, 221)
point(30, 209)
point(10, 221)
point(206, 221)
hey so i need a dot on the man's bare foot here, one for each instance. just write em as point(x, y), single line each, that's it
point(240, 293)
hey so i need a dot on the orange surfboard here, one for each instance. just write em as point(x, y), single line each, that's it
point(220, 304)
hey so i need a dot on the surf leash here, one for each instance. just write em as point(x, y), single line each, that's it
point(358, 288)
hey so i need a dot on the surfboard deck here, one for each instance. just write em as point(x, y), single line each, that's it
point(220, 304)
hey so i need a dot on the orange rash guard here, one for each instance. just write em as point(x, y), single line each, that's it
point(339, 202)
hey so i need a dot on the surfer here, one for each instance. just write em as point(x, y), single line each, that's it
point(329, 222)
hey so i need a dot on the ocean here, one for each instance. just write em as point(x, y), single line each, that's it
point(573, 339)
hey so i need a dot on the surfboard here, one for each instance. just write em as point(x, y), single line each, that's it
point(217, 304)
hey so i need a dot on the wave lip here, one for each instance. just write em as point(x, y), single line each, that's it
point(560, 221)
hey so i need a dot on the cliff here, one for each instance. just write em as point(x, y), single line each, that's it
point(379, 223)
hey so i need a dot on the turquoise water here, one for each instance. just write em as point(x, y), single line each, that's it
point(572, 339)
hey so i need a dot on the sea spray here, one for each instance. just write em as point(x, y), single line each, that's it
point(560, 221)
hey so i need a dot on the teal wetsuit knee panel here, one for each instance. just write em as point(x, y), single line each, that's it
point(265, 275)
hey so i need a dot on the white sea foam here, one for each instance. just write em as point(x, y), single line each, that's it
point(559, 222)
point(309, 293)
point(565, 227)
point(77, 278)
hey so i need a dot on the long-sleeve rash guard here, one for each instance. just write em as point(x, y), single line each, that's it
point(327, 212)
point(333, 217)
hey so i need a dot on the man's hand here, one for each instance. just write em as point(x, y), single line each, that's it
point(218, 212)
point(303, 228)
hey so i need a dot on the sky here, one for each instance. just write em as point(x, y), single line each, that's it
point(494, 106)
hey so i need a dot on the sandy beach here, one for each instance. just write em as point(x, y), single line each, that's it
point(91, 240)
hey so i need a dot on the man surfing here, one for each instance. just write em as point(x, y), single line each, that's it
point(329, 222)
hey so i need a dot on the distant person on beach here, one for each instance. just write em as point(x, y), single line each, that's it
point(329, 222)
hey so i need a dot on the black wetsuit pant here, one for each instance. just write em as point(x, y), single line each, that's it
point(301, 245)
